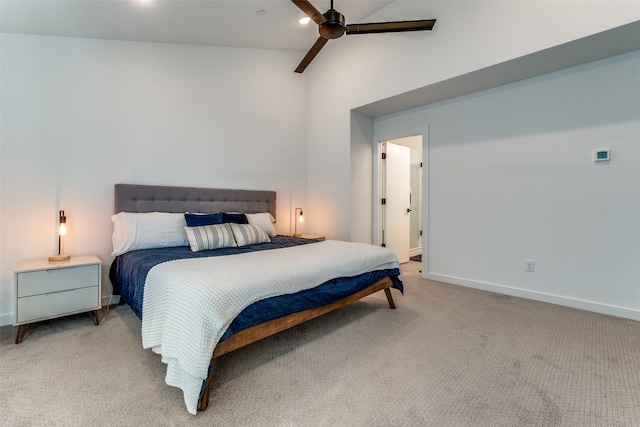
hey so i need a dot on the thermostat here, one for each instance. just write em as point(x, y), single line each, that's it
point(602, 155)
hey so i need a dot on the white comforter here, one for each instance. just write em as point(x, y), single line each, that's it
point(189, 304)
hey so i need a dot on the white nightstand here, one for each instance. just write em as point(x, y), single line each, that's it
point(312, 237)
point(46, 290)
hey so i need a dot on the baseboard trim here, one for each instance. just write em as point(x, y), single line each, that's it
point(595, 307)
point(110, 300)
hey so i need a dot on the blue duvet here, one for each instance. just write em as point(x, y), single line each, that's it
point(129, 271)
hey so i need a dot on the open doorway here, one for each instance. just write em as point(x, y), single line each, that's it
point(401, 203)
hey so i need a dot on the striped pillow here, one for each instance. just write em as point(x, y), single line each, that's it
point(249, 234)
point(210, 237)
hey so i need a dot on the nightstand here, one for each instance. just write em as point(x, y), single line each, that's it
point(312, 237)
point(45, 290)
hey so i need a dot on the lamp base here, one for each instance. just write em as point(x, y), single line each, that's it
point(60, 257)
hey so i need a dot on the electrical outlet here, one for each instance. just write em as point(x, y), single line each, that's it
point(529, 265)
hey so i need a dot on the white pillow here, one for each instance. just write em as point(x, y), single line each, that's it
point(133, 231)
point(207, 237)
point(264, 220)
point(249, 234)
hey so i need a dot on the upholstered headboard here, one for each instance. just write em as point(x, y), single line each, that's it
point(157, 198)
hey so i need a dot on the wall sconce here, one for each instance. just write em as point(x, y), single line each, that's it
point(62, 230)
point(299, 218)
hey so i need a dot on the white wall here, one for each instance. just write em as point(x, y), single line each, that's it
point(361, 168)
point(356, 70)
point(511, 177)
point(80, 115)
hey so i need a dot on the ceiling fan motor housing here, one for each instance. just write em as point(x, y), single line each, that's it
point(334, 26)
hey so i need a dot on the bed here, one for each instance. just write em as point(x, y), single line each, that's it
point(198, 303)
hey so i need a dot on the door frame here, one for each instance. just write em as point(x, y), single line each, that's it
point(378, 185)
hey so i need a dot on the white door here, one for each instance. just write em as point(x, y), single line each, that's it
point(397, 198)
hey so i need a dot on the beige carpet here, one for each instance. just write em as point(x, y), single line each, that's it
point(448, 356)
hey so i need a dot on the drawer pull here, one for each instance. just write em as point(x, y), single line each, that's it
point(58, 270)
point(60, 292)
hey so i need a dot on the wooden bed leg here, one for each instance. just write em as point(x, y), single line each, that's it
point(204, 395)
point(387, 292)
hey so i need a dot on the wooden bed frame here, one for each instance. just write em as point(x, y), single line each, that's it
point(150, 198)
point(272, 327)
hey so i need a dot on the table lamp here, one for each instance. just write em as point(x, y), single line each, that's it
point(62, 230)
point(299, 219)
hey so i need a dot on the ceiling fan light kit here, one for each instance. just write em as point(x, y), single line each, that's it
point(331, 25)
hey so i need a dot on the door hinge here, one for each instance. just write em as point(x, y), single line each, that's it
point(420, 164)
point(421, 232)
point(384, 156)
point(384, 201)
point(384, 245)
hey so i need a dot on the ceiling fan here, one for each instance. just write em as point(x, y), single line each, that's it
point(331, 26)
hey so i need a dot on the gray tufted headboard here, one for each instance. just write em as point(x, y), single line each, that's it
point(158, 198)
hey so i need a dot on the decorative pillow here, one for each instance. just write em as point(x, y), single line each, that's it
point(249, 234)
point(238, 218)
point(196, 219)
point(210, 237)
point(264, 220)
point(133, 231)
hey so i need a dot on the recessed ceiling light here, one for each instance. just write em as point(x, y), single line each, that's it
point(145, 3)
point(305, 20)
point(261, 12)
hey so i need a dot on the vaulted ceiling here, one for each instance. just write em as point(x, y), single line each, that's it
point(270, 24)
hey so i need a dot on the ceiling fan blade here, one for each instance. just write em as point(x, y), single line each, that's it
point(319, 44)
point(391, 27)
point(310, 11)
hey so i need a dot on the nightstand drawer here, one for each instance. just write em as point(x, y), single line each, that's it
point(57, 279)
point(56, 304)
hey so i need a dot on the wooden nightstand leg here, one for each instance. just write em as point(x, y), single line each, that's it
point(94, 316)
point(22, 330)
